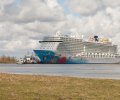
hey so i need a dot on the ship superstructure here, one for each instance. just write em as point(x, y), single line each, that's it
point(74, 49)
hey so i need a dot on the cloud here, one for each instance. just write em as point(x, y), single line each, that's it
point(111, 3)
point(5, 2)
point(100, 17)
point(84, 7)
point(25, 22)
point(90, 7)
point(32, 10)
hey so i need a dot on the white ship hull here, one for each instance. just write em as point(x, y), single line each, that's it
point(95, 60)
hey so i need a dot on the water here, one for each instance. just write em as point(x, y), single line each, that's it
point(107, 71)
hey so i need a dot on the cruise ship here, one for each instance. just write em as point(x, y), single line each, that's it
point(64, 49)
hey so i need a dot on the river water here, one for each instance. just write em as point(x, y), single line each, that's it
point(106, 71)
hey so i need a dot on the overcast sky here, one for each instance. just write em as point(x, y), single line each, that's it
point(24, 22)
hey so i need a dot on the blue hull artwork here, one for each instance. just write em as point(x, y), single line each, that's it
point(50, 57)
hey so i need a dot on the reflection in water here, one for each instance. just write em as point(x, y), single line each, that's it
point(110, 71)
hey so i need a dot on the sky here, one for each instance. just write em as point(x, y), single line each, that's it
point(24, 22)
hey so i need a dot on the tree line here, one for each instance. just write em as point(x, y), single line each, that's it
point(7, 59)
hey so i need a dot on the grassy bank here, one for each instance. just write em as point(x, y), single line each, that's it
point(28, 87)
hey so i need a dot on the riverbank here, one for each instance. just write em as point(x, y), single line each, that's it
point(29, 87)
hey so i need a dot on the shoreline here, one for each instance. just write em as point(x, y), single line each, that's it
point(42, 87)
point(61, 76)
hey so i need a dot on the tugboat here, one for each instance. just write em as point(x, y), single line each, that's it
point(28, 59)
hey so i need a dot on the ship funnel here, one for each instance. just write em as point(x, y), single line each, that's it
point(96, 38)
